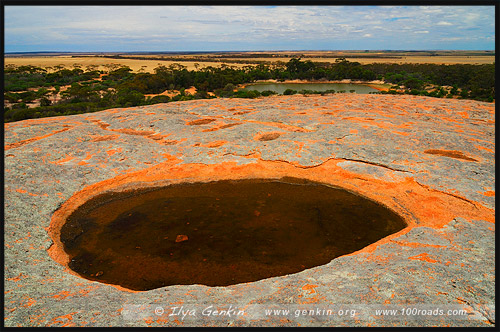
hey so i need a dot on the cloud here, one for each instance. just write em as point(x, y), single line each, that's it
point(164, 28)
point(451, 39)
point(392, 19)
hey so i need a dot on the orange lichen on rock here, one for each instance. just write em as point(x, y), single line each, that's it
point(450, 153)
point(229, 125)
point(65, 320)
point(63, 160)
point(29, 302)
point(213, 144)
point(417, 245)
point(17, 278)
point(113, 151)
point(135, 132)
point(267, 136)
point(200, 122)
point(169, 142)
point(84, 161)
point(423, 257)
point(280, 126)
point(479, 147)
point(310, 288)
point(104, 138)
point(33, 139)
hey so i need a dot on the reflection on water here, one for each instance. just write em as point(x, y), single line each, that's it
point(281, 87)
point(219, 233)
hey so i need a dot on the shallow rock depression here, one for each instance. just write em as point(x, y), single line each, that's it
point(245, 230)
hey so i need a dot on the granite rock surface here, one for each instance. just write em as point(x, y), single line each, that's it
point(431, 160)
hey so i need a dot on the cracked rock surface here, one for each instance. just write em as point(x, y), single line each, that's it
point(429, 159)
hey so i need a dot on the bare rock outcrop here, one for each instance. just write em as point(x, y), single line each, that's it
point(430, 160)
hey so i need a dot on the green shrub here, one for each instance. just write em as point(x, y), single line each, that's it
point(289, 92)
point(266, 93)
point(307, 92)
point(159, 99)
point(329, 91)
point(18, 114)
point(246, 94)
point(45, 102)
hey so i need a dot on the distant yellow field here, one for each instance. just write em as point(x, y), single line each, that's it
point(148, 65)
point(364, 57)
point(68, 61)
point(447, 60)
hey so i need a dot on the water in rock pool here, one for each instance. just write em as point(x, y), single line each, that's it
point(219, 233)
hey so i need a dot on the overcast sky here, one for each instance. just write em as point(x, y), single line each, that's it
point(233, 28)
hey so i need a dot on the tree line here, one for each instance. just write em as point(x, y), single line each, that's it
point(93, 90)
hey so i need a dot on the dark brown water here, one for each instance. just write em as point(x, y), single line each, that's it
point(219, 233)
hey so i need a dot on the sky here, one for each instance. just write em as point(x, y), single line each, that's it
point(247, 28)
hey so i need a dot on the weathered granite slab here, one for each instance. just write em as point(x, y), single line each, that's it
point(431, 160)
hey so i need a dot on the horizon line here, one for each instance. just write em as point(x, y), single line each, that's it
point(233, 51)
